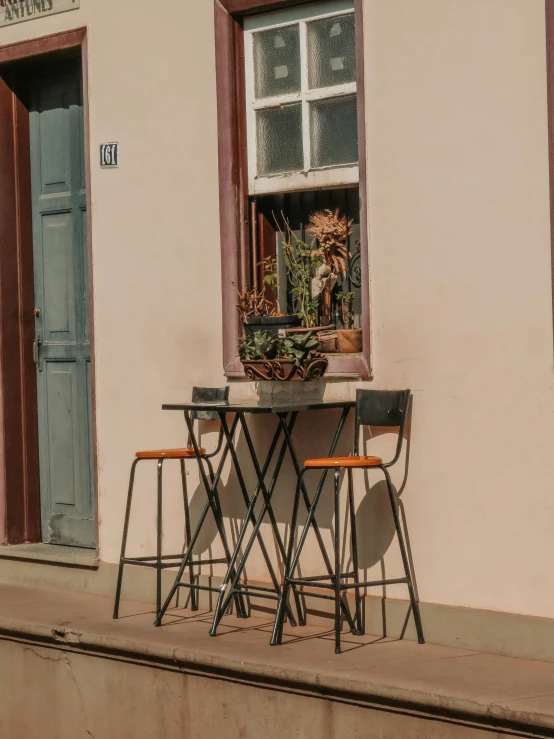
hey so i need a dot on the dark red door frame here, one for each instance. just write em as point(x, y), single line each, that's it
point(233, 179)
point(550, 96)
point(19, 466)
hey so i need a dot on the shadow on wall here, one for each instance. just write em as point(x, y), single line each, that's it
point(312, 436)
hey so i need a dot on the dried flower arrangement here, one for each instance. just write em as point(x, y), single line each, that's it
point(331, 232)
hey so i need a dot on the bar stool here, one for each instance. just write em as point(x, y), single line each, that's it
point(385, 408)
point(161, 561)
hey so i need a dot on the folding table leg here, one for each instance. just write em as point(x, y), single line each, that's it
point(277, 634)
point(268, 492)
point(250, 517)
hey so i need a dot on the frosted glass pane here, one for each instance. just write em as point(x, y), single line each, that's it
point(277, 62)
point(331, 51)
point(334, 131)
point(279, 139)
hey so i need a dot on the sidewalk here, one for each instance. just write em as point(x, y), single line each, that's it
point(463, 691)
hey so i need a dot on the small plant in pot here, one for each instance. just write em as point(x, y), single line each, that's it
point(257, 312)
point(349, 339)
point(302, 261)
point(267, 357)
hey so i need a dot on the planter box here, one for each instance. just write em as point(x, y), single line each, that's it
point(284, 370)
point(271, 324)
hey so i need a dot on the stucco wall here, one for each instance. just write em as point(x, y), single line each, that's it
point(460, 276)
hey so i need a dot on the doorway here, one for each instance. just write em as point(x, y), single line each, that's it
point(49, 93)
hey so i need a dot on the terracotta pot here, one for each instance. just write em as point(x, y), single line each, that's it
point(349, 340)
point(284, 370)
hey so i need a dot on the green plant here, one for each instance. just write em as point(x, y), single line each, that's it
point(302, 260)
point(271, 278)
point(258, 345)
point(298, 347)
point(345, 301)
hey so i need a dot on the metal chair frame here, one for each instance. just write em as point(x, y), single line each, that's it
point(161, 561)
point(385, 408)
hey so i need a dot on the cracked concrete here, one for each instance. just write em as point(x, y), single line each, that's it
point(69, 670)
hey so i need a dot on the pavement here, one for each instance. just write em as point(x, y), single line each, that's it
point(485, 689)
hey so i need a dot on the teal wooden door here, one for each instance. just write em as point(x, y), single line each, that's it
point(62, 347)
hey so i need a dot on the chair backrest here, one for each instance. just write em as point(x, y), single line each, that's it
point(382, 408)
point(208, 395)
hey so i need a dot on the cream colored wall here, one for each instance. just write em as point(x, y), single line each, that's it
point(460, 277)
point(461, 287)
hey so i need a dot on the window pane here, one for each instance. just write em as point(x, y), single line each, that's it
point(277, 61)
point(279, 140)
point(331, 51)
point(334, 131)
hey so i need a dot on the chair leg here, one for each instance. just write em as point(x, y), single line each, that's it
point(159, 534)
point(193, 593)
point(404, 555)
point(360, 630)
point(124, 538)
point(277, 634)
point(337, 562)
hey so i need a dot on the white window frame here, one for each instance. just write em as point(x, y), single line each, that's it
point(308, 178)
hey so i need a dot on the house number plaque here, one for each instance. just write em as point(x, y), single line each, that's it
point(16, 11)
point(109, 155)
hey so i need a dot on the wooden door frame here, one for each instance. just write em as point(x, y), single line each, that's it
point(549, 18)
point(19, 460)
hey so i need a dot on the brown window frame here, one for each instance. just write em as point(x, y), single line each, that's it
point(549, 14)
point(235, 216)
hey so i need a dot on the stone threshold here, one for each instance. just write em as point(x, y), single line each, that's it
point(53, 554)
point(489, 692)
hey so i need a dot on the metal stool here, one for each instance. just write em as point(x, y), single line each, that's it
point(161, 561)
point(385, 408)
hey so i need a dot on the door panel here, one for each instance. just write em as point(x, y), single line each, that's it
point(58, 312)
point(61, 388)
point(61, 297)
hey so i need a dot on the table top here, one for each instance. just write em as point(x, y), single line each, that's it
point(260, 406)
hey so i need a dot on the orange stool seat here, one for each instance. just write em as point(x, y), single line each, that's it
point(329, 462)
point(185, 453)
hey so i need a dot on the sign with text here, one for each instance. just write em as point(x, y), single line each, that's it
point(109, 154)
point(16, 11)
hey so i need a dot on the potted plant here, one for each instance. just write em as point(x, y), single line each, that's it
point(267, 357)
point(349, 339)
point(302, 261)
point(257, 312)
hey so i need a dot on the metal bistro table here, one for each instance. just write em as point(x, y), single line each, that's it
point(286, 414)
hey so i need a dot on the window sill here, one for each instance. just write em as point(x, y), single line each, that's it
point(345, 366)
point(52, 554)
